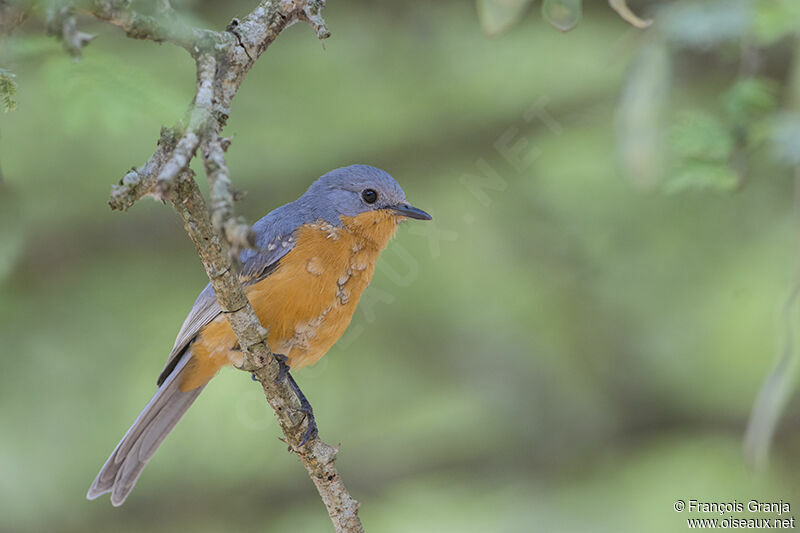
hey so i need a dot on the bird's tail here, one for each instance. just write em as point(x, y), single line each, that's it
point(119, 474)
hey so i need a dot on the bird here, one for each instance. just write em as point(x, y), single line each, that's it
point(311, 262)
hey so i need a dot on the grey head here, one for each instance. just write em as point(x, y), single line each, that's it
point(346, 191)
point(350, 191)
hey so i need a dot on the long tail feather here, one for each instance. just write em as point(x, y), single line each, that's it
point(163, 411)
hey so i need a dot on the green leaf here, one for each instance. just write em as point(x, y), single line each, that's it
point(702, 136)
point(750, 99)
point(8, 91)
point(700, 151)
point(562, 14)
point(702, 176)
point(497, 16)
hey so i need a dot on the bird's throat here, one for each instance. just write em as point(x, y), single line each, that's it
point(376, 228)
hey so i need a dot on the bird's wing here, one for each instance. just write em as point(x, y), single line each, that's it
point(272, 243)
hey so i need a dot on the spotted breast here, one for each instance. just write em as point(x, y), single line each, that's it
point(307, 301)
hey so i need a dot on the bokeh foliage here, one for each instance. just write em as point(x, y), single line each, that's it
point(8, 91)
point(572, 345)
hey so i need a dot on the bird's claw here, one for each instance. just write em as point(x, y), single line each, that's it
point(305, 408)
point(284, 367)
point(312, 430)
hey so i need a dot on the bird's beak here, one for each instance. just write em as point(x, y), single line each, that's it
point(409, 211)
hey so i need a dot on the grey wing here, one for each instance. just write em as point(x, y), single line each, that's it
point(203, 311)
point(275, 240)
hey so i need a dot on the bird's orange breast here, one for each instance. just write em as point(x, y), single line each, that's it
point(307, 302)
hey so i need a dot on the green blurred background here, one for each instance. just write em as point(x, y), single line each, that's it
point(573, 344)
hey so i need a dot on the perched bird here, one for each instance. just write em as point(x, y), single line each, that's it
point(313, 259)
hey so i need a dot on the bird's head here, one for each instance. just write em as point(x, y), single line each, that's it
point(363, 190)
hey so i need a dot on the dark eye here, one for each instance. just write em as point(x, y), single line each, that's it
point(369, 196)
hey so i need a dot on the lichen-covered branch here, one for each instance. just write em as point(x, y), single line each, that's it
point(223, 59)
point(165, 28)
point(61, 23)
point(222, 195)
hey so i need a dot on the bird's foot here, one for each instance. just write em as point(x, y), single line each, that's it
point(305, 408)
point(284, 367)
point(312, 430)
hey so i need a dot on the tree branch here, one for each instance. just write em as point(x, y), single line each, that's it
point(61, 23)
point(167, 28)
point(217, 232)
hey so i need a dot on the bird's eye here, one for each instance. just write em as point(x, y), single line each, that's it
point(369, 196)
